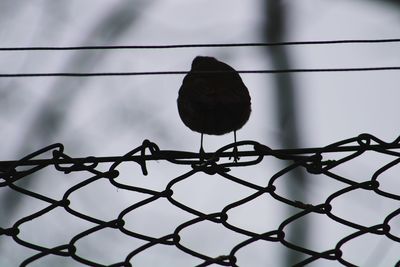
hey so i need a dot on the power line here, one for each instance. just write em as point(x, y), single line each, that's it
point(178, 46)
point(145, 73)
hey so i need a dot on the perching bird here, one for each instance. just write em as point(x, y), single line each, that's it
point(213, 99)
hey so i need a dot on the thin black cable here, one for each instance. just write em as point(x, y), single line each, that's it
point(175, 46)
point(147, 73)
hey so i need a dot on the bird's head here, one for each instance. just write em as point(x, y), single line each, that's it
point(203, 63)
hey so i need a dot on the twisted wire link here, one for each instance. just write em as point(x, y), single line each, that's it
point(312, 160)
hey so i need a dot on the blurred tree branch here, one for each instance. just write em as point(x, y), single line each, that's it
point(49, 118)
point(287, 114)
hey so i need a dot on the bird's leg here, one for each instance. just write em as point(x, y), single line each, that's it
point(235, 149)
point(201, 152)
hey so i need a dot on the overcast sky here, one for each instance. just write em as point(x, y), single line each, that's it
point(107, 116)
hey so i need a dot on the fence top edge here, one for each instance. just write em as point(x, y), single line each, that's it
point(181, 155)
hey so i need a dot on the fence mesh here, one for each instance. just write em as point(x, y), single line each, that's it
point(315, 161)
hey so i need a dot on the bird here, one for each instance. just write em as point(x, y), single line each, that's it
point(213, 100)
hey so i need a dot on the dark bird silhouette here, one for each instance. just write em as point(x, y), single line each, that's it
point(213, 99)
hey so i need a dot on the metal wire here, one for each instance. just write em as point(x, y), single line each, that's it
point(175, 46)
point(148, 73)
point(310, 159)
point(210, 45)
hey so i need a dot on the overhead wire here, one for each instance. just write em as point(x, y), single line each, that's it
point(147, 73)
point(176, 46)
point(199, 45)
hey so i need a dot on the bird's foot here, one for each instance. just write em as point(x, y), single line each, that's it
point(202, 155)
point(235, 154)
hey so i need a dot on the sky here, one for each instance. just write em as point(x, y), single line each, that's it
point(109, 116)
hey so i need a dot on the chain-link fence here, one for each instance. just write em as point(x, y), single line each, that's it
point(318, 162)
